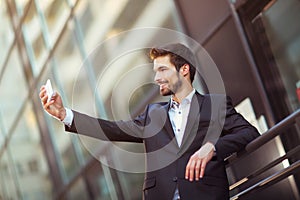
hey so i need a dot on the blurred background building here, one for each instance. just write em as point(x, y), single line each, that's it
point(255, 44)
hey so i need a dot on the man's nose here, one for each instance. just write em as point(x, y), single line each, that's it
point(156, 78)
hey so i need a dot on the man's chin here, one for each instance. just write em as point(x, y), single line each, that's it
point(165, 92)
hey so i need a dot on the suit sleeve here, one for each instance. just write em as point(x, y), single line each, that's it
point(237, 132)
point(123, 131)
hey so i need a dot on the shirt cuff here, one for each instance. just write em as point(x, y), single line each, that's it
point(68, 118)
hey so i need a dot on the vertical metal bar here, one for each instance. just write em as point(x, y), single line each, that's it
point(261, 89)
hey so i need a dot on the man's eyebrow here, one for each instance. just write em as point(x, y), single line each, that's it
point(155, 68)
point(161, 66)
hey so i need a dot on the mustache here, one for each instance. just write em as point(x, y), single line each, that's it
point(161, 82)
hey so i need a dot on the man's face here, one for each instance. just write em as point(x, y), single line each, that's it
point(166, 76)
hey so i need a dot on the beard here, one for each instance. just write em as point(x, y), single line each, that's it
point(165, 92)
point(170, 89)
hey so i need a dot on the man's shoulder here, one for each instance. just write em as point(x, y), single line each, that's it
point(217, 96)
point(217, 99)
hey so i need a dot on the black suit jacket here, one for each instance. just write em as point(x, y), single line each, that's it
point(211, 118)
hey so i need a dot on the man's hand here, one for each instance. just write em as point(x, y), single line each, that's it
point(197, 163)
point(55, 106)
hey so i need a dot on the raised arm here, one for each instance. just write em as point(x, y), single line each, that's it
point(127, 131)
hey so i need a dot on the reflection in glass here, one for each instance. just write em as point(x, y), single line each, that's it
point(6, 34)
point(10, 188)
point(24, 172)
point(13, 90)
point(56, 13)
point(78, 191)
point(29, 160)
point(33, 37)
point(282, 28)
point(101, 188)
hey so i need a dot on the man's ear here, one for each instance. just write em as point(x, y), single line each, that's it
point(185, 69)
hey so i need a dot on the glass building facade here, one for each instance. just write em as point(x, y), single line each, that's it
point(255, 44)
point(52, 39)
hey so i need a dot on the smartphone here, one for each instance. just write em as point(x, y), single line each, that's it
point(49, 89)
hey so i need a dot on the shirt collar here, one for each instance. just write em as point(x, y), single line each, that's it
point(186, 100)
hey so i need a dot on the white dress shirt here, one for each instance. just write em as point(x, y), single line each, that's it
point(178, 114)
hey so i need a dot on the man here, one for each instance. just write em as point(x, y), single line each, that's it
point(186, 139)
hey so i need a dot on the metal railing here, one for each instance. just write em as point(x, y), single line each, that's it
point(276, 130)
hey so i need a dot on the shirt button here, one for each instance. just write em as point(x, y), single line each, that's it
point(179, 112)
point(178, 130)
point(175, 179)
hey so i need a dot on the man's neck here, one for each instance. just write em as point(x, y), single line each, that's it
point(179, 96)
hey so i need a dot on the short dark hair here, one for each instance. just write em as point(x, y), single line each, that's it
point(179, 55)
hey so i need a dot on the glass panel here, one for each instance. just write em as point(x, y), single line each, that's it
point(62, 70)
point(6, 33)
point(24, 171)
point(9, 182)
point(67, 64)
point(13, 90)
point(45, 5)
point(3, 131)
point(71, 164)
point(56, 13)
point(115, 18)
point(97, 179)
point(22, 5)
point(35, 46)
point(95, 25)
point(283, 31)
point(78, 191)
point(3, 184)
point(29, 159)
point(62, 142)
point(133, 182)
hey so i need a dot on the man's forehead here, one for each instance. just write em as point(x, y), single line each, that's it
point(161, 60)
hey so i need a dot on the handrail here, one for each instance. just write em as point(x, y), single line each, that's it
point(273, 132)
point(266, 137)
point(274, 178)
point(265, 168)
point(260, 141)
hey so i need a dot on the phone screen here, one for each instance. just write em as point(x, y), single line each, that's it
point(49, 89)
